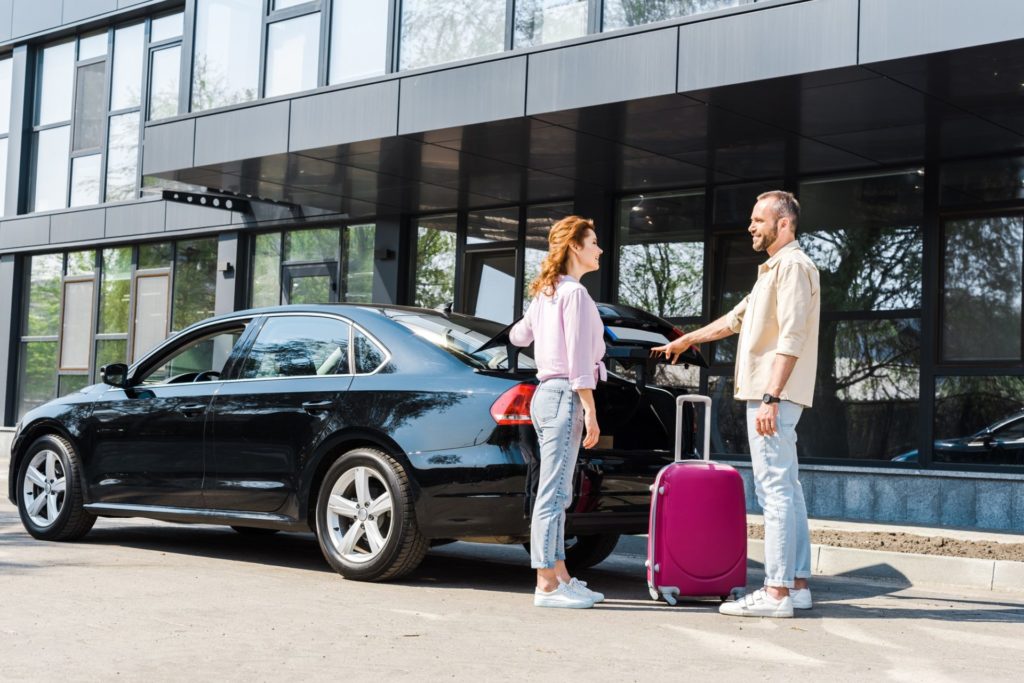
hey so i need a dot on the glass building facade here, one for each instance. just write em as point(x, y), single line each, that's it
point(921, 253)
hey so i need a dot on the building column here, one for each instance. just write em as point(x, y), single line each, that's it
point(597, 206)
point(230, 277)
point(390, 262)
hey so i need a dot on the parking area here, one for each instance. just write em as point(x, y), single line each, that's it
point(139, 600)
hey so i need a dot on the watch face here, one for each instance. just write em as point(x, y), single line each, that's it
point(767, 398)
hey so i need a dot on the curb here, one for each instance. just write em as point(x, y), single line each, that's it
point(909, 569)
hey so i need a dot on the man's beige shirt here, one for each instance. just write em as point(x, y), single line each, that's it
point(780, 315)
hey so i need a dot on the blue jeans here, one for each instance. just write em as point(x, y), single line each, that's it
point(557, 414)
point(787, 539)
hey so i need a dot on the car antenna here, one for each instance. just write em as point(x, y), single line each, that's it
point(445, 308)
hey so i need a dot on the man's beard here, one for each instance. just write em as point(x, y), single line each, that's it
point(766, 241)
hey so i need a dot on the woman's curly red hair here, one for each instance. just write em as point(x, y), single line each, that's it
point(569, 230)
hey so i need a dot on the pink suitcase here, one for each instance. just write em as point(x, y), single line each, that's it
point(697, 538)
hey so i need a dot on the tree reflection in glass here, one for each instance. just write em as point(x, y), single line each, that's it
point(438, 31)
point(623, 13)
point(435, 262)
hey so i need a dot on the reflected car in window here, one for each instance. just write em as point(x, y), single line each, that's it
point(1001, 443)
point(384, 429)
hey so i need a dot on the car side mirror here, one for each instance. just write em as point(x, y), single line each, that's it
point(115, 374)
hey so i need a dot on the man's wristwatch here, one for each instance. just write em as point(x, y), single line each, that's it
point(768, 399)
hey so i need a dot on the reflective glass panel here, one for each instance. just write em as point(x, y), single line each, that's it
point(81, 263)
point(89, 106)
point(285, 4)
point(491, 284)
point(296, 346)
point(548, 21)
point(85, 180)
point(734, 203)
point(5, 95)
point(623, 13)
point(320, 244)
point(539, 220)
point(982, 264)
point(151, 304)
point(293, 52)
point(438, 31)
point(109, 351)
point(43, 315)
point(202, 356)
point(50, 186)
point(358, 255)
point(227, 52)
point(92, 46)
point(37, 381)
point(979, 420)
point(738, 264)
point(435, 261)
point(164, 83)
point(864, 234)
point(359, 39)
point(3, 174)
point(115, 291)
point(123, 157)
point(155, 255)
point(977, 182)
point(167, 27)
point(493, 225)
point(266, 270)
point(661, 253)
point(76, 325)
point(68, 384)
point(126, 85)
point(55, 83)
point(195, 281)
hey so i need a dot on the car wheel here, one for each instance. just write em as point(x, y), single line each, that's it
point(584, 552)
point(365, 520)
point(254, 530)
point(50, 499)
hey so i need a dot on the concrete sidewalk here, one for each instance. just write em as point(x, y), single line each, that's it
point(904, 569)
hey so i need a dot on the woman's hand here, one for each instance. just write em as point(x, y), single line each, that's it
point(592, 431)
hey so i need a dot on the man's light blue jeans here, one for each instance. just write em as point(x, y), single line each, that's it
point(557, 414)
point(787, 539)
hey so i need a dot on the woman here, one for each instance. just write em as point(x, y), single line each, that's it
point(563, 324)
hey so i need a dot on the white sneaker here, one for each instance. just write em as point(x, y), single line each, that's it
point(563, 596)
point(801, 598)
point(581, 588)
point(758, 604)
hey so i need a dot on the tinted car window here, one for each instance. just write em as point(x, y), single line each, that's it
point(298, 346)
point(368, 356)
point(185, 363)
point(461, 336)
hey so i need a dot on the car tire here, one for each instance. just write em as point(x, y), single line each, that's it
point(49, 491)
point(254, 530)
point(365, 520)
point(584, 552)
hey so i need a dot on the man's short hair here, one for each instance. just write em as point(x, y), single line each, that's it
point(784, 205)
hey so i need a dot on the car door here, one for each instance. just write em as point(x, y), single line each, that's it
point(267, 420)
point(148, 438)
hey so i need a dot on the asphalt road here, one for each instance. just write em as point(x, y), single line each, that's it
point(139, 600)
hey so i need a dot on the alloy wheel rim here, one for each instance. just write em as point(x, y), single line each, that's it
point(359, 515)
point(44, 488)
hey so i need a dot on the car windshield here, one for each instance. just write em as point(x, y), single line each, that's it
point(461, 336)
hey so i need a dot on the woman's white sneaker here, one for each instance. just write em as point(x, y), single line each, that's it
point(563, 596)
point(581, 588)
point(758, 604)
point(801, 598)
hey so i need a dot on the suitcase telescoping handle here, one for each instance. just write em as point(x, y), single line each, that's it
point(693, 398)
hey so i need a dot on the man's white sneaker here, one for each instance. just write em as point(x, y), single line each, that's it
point(758, 604)
point(581, 588)
point(563, 596)
point(801, 598)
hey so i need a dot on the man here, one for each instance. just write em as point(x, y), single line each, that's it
point(775, 366)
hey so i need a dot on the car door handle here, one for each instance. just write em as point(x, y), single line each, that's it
point(191, 409)
point(313, 407)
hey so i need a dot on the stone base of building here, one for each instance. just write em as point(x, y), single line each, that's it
point(969, 500)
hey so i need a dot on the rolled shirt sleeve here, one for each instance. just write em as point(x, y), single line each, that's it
point(521, 333)
point(734, 318)
point(578, 317)
point(794, 307)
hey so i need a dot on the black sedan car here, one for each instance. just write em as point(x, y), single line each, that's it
point(383, 429)
point(1000, 443)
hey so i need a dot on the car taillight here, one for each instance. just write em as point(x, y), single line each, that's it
point(674, 333)
point(513, 407)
